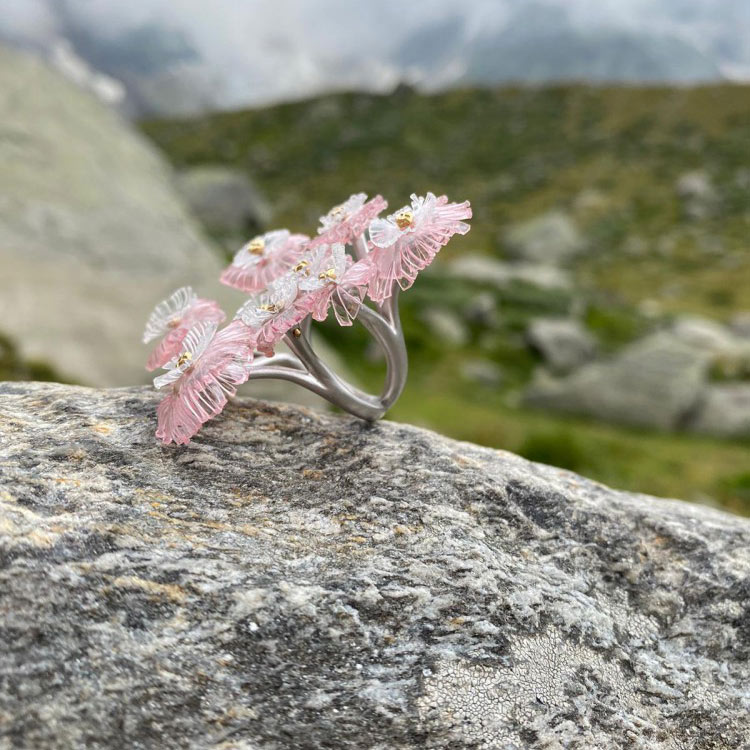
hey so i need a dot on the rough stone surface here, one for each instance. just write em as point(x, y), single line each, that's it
point(224, 199)
point(724, 411)
point(92, 232)
point(552, 237)
point(297, 580)
point(655, 382)
point(563, 343)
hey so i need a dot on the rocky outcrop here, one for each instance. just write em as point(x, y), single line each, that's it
point(655, 382)
point(295, 580)
point(92, 233)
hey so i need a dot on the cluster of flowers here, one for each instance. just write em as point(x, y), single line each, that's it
point(288, 277)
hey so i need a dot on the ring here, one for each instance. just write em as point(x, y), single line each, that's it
point(292, 280)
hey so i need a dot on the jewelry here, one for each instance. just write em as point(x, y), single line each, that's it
point(293, 280)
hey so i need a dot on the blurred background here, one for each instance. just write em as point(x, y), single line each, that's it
point(597, 316)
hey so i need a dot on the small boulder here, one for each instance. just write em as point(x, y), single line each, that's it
point(484, 270)
point(704, 334)
point(551, 238)
point(481, 310)
point(482, 371)
point(698, 194)
point(740, 324)
point(724, 411)
point(446, 326)
point(655, 382)
point(226, 200)
point(563, 343)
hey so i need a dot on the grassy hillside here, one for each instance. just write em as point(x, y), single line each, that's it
point(608, 157)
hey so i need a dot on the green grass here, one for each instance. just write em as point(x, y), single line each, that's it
point(608, 156)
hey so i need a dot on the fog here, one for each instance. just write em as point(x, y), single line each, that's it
point(255, 51)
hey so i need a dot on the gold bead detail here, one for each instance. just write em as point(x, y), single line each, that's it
point(404, 219)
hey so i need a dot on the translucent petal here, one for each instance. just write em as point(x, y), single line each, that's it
point(281, 252)
point(172, 308)
point(352, 219)
point(205, 386)
point(383, 232)
point(435, 222)
point(170, 346)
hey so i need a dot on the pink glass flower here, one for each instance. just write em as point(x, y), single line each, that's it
point(201, 379)
point(272, 312)
point(408, 240)
point(173, 318)
point(330, 279)
point(264, 259)
point(347, 221)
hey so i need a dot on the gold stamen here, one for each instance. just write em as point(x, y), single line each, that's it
point(268, 308)
point(329, 275)
point(297, 332)
point(404, 219)
point(301, 266)
point(184, 358)
point(256, 246)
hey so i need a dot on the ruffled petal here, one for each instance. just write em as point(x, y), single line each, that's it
point(280, 255)
point(205, 387)
point(201, 310)
point(353, 225)
point(169, 310)
point(383, 233)
point(435, 222)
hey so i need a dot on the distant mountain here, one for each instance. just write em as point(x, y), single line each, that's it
point(183, 57)
point(539, 44)
point(605, 56)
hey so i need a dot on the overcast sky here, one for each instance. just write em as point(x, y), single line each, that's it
point(271, 49)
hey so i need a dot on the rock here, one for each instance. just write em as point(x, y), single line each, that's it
point(550, 238)
point(484, 270)
point(92, 233)
point(699, 197)
point(563, 343)
point(704, 334)
point(225, 200)
point(729, 353)
point(482, 371)
point(482, 310)
point(655, 382)
point(297, 580)
point(740, 324)
point(724, 411)
point(446, 326)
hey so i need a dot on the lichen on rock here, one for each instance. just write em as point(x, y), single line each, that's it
point(298, 580)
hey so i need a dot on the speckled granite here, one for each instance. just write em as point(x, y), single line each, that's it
point(294, 580)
